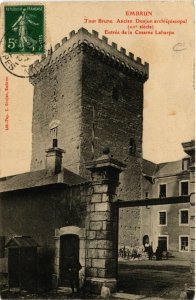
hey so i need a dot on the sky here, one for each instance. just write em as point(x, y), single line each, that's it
point(168, 93)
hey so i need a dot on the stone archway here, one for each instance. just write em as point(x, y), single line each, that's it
point(145, 239)
point(69, 231)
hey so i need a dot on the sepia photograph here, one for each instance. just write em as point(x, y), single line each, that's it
point(97, 152)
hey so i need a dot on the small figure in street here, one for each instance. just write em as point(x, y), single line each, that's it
point(147, 246)
point(124, 252)
point(159, 253)
point(150, 252)
point(74, 267)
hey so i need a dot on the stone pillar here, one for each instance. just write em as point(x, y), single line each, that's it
point(102, 234)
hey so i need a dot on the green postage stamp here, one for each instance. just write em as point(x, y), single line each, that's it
point(24, 29)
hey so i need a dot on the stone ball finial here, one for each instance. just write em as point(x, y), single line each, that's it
point(106, 150)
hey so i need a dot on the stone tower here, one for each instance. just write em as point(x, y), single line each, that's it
point(91, 93)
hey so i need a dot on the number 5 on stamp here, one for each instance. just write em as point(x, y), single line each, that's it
point(24, 29)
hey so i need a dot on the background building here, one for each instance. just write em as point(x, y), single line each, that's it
point(161, 224)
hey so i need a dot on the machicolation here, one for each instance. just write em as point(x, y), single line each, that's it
point(84, 41)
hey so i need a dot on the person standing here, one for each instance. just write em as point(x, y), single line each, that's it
point(150, 252)
point(74, 267)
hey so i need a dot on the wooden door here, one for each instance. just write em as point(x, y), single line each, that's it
point(69, 248)
point(14, 267)
point(162, 243)
point(29, 268)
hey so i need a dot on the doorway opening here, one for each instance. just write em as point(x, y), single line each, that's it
point(145, 239)
point(163, 242)
point(69, 250)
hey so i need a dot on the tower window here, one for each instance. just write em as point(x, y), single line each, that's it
point(115, 94)
point(53, 126)
point(132, 146)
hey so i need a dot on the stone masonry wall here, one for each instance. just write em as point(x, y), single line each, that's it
point(38, 213)
point(129, 226)
point(106, 122)
point(95, 90)
point(109, 122)
point(58, 97)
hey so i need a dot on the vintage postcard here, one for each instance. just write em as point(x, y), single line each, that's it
point(97, 150)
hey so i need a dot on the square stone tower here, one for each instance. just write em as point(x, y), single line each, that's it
point(89, 95)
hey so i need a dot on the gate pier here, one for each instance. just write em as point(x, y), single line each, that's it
point(102, 232)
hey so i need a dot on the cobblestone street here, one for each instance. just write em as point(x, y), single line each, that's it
point(153, 278)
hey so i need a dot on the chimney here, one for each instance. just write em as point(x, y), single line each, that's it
point(54, 158)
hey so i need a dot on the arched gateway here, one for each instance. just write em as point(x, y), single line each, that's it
point(69, 241)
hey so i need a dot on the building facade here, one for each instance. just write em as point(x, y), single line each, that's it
point(165, 223)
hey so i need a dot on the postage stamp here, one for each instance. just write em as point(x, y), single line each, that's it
point(24, 29)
